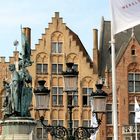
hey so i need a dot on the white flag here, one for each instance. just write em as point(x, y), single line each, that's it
point(125, 14)
point(137, 112)
point(94, 123)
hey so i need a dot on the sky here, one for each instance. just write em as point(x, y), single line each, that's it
point(81, 16)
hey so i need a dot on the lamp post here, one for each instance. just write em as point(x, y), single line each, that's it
point(98, 101)
point(71, 84)
point(42, 95)
point(70, 81)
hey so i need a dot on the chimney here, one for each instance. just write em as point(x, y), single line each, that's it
point(95, 51)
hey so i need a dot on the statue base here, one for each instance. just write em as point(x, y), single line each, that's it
point(18, 128)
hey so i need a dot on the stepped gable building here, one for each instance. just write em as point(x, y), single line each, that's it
point(57, 46)
point(127, 48)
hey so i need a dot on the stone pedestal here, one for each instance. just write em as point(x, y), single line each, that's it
point(18, 128)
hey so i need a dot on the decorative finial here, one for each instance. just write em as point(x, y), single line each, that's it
point(132, 34)
point(16, 43)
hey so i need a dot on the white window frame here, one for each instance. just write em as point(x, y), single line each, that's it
point(44, 135)
point(42, 68)
point(133, 80)
point(56, 48)
point(88, 123)
point(57, 94)
point(87, 94)
point(57, 69)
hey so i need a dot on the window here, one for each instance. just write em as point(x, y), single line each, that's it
point(134, 82)
point(109, 114)
point(57, 96)
point(57, 123)
point(133, 52)
point(73, 99)
point(57, 47)
point(42, 68)
point(131, 114)
point(109, 138)
point(86, 96)
point(57, 68)
point(75, 124)
point(86, 123)
point(41, 133)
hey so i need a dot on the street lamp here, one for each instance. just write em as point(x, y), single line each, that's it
point(98, 104)
point(99, 99)
point(42, 96)
point(71, 83)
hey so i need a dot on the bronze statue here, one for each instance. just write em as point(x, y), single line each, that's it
point(19, 90)
point(25, 90)
point(7, 104)
point(14, 86)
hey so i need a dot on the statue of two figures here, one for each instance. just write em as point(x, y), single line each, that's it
point(19, 90)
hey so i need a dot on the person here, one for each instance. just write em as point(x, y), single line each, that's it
point(15, 92)
point(7, 107)
point(25, 90)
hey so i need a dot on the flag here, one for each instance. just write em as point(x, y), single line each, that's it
point(94, 123)
point(125, 14)
point(26, 49)
point(137, 111)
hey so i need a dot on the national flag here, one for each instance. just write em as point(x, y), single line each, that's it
point(125, 14)
point(137, 111)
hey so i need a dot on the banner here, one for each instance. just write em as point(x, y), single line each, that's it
point(94, 123)
point(137, 111)
point(125, 14)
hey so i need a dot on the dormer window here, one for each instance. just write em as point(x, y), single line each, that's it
point(133, 50)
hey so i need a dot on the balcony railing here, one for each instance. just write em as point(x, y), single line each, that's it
point(130, 129)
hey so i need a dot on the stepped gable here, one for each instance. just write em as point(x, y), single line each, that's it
point(58, 25)
point(121, 41)
point(82, 48)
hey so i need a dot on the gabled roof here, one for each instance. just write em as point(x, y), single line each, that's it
point(78, 41)
point(121, 41)
point(58, 20)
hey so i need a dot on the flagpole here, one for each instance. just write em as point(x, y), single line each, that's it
point(136, 135)
point(114, 95)
point(137, 118)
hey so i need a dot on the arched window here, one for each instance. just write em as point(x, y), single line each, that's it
point(56, 42)
point(87, 88)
